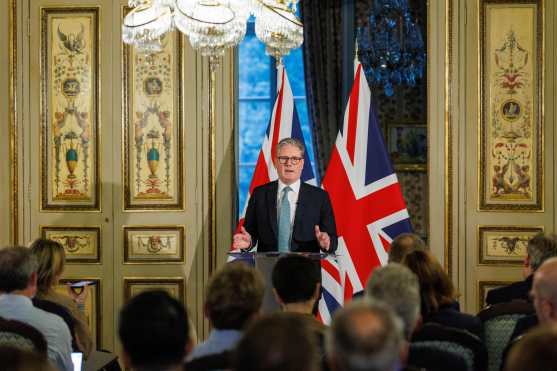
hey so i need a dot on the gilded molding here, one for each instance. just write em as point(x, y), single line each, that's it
point(448, 153)
point(12, 125)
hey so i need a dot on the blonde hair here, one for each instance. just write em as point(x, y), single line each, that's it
point(51, 259)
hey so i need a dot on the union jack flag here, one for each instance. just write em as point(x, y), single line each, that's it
point(284, 123)
point(366, 198)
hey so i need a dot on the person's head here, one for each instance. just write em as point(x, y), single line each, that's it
point(278, 342)
point(296, 280)
point(536, 351)
point(18, 271)
point(540, 248)
point(154, 331)
point(436, 288)
point(366, 335)
point(544, 291)
point(51, 259)
point(398, 287)
point(403, 244)
point(16, 359)
point(289, 160)
point(234, 296)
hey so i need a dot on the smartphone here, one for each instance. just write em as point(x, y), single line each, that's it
point(81, 284)
point(77, 360)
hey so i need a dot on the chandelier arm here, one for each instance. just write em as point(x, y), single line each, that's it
point(276, 9)
point(203, 21)
point(163, 14)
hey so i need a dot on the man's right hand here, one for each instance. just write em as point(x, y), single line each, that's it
point(242, 240)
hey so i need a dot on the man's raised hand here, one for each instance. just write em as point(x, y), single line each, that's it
point(323, 239)
point(241, 240)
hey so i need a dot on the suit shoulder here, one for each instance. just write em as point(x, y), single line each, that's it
point(313, 189)
point(264, 187)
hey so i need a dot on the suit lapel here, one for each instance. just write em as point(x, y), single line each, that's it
point(272, 202)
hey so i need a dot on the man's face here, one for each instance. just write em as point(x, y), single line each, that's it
point(289, 163)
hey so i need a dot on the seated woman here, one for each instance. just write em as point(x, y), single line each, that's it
point(438, 294)
point(51, 259)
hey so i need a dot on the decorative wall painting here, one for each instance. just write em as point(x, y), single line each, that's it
point(504, 245)
point(153, 152)
point(154, 244)
point(81, 244)
point(511, 173)
point(407, 146)
point(174, 286)
point(69, 106)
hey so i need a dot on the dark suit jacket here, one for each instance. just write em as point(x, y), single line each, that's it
point(313, 208)
point(447, 315)
point(516, 290)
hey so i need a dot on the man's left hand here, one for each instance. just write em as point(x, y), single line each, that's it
point(323, 239)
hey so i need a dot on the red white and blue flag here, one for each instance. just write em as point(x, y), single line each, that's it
point(284, 123)
point(367, 201)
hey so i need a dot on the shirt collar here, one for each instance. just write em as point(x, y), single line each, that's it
point(294, 186)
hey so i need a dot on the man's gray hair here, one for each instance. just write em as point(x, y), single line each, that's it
point(291, 142)
point(399, 287)
point(365, 336)
point(540, 248)
point(403, 244)
point(17, 264)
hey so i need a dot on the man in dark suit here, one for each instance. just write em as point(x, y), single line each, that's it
point(540, 248)
point(288, 215)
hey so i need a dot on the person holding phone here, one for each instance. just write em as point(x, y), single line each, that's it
point(51, 259)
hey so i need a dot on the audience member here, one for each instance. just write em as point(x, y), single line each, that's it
point(535, 352)
point(16, 359)
point(51, 258)
point(403, 244)
point(397, 286)
point(365, 336)
point(234, 298)
point(154, 332)
point(278, 342)
point(540, 248)
point(438, 295)
point(18, 284)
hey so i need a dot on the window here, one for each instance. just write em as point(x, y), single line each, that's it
point(257, 87)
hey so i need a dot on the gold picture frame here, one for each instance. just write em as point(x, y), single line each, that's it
point(81, 244)
point(483, 289)
point(511, 91)
point(93, 305)
point(175, 286)
point(504, 245)
point(155, 244)
point(70, 92)
point(153, 126)
point(407, 146)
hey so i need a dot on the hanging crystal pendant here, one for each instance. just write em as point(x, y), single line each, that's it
point(145, 26)
point(277, 26)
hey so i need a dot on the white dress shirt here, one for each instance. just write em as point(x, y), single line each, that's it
point(292, 198)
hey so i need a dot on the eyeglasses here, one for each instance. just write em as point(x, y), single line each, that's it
point(293, 160)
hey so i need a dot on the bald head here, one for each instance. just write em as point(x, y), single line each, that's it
point(403, 244)
point(544, 291)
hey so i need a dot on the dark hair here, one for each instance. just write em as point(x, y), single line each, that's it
point(403, 244)
point(436, 288)
point(295, 278)
point(17, 359)
point(154, 330)
point(234, 295)
point(16, 267)
point(278, 342)
point(51, 259)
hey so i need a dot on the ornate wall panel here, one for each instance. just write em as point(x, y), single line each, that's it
point(153, 148)
point(174, 286)
point(504, 245)
point(69, 104)
point(154, 244)
point(511, 175)
point(81, 244)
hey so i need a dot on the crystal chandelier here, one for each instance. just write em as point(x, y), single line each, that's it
point(212, 26)
point(390, 46)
